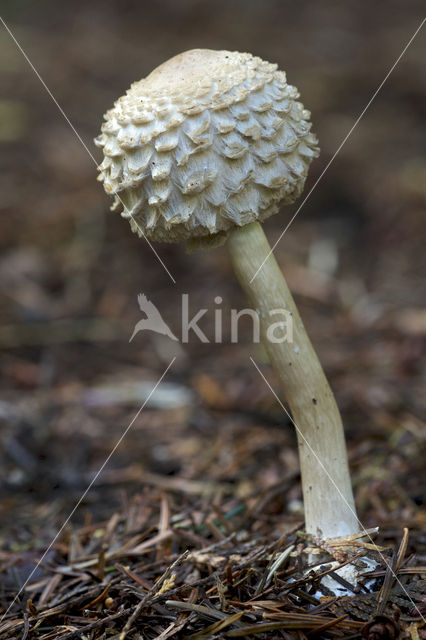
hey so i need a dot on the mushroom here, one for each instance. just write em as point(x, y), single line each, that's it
point(201, 150)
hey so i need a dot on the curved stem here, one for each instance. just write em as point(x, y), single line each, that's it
point(327, 491)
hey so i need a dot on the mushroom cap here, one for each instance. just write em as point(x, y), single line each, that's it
point(210, 140)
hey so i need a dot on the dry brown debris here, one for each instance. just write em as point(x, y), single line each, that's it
point(171, 578)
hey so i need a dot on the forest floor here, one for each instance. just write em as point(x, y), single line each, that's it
point(178, 534)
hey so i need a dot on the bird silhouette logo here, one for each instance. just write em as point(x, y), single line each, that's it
point(153, 320)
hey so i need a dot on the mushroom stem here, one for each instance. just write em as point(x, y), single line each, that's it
point(327, 491)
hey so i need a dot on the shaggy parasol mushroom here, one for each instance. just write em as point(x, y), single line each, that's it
point(201, 150)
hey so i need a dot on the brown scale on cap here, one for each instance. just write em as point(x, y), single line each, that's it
point(209, 141)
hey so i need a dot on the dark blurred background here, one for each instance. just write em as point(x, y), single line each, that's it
point(70, 270)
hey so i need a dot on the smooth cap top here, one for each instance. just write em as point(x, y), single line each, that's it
point(208, 141)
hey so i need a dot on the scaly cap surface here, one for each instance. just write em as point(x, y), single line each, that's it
point(208, 141)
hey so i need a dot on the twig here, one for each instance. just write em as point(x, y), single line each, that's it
point(391, 574)
point(157, 586)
